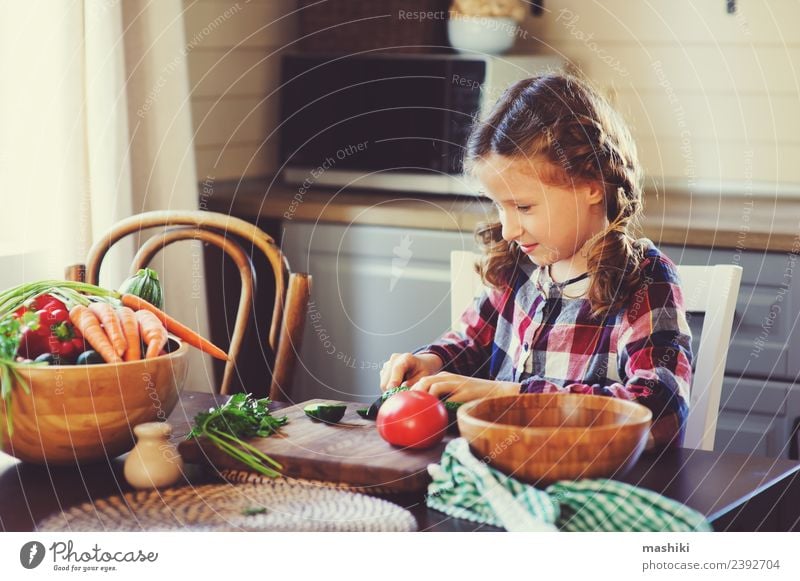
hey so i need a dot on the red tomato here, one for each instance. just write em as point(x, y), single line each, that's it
point(412, 419)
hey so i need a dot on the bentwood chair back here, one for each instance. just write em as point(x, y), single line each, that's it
point(708, 290)
point(224, 231)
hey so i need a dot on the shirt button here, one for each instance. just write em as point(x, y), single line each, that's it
point(525, 347)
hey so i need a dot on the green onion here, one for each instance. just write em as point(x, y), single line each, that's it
point(70, 292)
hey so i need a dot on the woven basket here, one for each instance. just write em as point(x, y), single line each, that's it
point(349, 26)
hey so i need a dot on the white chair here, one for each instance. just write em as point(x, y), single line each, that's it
point(708, 290)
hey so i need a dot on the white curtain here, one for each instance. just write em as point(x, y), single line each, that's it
point(95, 125)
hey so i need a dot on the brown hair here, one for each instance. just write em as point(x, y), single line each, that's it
point(564, 121)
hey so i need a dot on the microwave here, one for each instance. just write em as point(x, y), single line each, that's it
point(388, 121)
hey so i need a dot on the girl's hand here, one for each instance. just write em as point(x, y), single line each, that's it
point(462, 388)
point(407, 368)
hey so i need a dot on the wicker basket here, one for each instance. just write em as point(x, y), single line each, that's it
point(349, 26)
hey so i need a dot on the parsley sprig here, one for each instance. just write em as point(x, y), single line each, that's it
point(10, 337)
point(228, 425)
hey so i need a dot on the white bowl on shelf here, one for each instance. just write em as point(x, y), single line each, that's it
point(471, 34)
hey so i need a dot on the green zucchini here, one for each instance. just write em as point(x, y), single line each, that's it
point(328, 413)
point(145, 285)
point(452, 415)
point(372, 410)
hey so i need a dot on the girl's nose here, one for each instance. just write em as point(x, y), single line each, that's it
point(511, 228)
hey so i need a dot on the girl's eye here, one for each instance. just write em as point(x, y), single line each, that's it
point(524, 208)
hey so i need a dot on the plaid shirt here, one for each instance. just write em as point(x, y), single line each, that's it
point(540, 333)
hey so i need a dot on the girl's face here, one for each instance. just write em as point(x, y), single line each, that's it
point(549, 223)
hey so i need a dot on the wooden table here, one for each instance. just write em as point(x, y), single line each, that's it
point(736, 492)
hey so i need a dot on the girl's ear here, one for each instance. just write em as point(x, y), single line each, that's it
point(595, 194)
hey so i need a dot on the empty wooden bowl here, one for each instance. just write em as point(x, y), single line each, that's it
point(84, 413)
point(542, 438)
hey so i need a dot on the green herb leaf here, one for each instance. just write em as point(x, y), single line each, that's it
point(242, 417)
point(252, 511)
point(10, 336)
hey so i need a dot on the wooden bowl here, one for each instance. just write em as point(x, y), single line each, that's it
point(84, 413)
point(542, 438)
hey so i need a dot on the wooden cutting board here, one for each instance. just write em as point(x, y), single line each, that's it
point(349, 452)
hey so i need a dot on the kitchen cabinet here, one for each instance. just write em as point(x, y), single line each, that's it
point(376, 290)
point(760, 403)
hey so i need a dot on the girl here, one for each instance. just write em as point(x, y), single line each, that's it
point(576, 304)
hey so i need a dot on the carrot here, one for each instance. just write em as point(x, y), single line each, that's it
point(88, 324)
point(113, 328)
point(176, 328)
point(153, 333)
point(130, 327)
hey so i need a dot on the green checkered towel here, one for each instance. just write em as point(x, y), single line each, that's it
point(465, 487)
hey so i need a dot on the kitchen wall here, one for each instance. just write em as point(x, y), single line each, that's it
point(712, 96)
point(233, 51)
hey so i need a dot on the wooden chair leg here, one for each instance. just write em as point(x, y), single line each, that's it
point(76, 273)
point(291, 337)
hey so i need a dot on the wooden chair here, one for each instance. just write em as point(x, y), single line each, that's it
point(291, 289)
point(708, 290)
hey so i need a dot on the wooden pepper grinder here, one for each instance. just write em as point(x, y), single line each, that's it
point(154, 462)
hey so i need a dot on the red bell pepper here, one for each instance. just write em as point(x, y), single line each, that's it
point(50, 331)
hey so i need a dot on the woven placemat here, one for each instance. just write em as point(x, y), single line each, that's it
point(275, 505)
point(249, 477)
